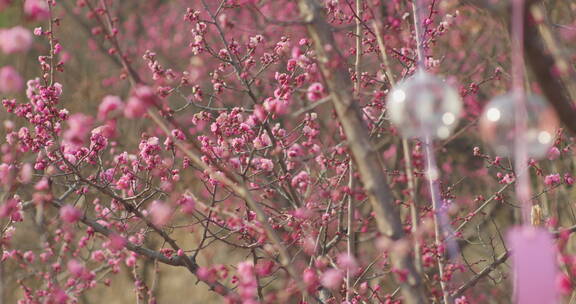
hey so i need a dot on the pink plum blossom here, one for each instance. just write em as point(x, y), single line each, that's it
point(70, 214)
point(110, 104)
point(332, 278)
point(310, 278)
point(247, 277)
point(142, 98)
point(15, 40)
point(117, 242)
point(553, 153)
point(160, 213)
point(80, 126)
point(76, 268)
point(10, 80)
point(552, 179)
point(36, 9)
point(315, 92)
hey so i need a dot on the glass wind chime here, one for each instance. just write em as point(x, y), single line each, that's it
point(425, 107)
point(523, 125)
point(517, 124)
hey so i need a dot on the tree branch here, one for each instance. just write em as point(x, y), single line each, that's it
point(542, 65)
point(333, 68)
point(500, 260)
point(182, 261)
point(540, 62)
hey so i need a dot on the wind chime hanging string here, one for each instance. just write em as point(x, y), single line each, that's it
point(533, 254)
point(522, 125)
point(520, 152)
point(424, 106)
point(441, 221)
point(431, 167)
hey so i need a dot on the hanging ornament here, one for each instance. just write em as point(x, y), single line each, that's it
point(497, 125)
point(533, 261)
point(424, 105)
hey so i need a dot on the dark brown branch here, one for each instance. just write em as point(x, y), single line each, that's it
point(542, 65)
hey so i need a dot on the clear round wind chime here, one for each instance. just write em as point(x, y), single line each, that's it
point(425, 107)
point(518, 124)
point(523, 125)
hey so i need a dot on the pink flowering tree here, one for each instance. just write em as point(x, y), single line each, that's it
point(241, 151)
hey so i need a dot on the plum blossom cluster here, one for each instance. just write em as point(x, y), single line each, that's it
point(225, 149)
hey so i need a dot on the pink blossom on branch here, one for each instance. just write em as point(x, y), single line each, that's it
point(160, 213)
point(332, 278)
point(109, 105)
point(15, 40)
point(243, 178)
point(36, 9)
point(80, 126)
point(553, 153)
point(10, 80)
point(315, 92)
point(142, 98)
point(76, 268)
point(70, 214)
point(247, 280)
point(552, 179)
point(116, 242)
